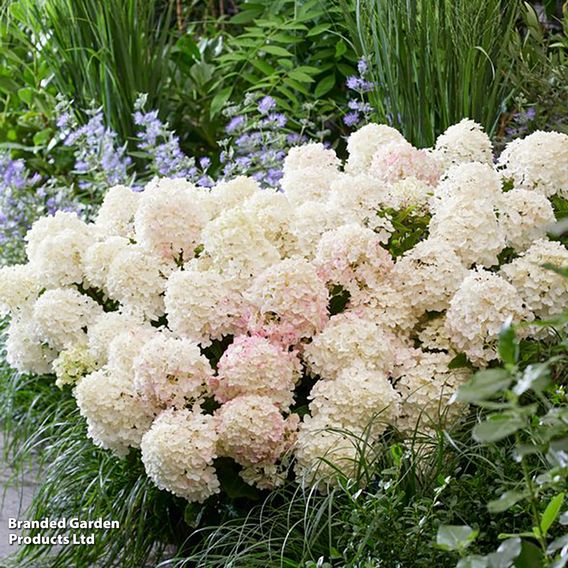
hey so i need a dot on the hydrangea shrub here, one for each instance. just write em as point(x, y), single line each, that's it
point(199, 324)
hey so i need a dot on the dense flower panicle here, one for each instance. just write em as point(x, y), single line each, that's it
point(25, 350)
point(178, 453)
point(62, 315)
point(116, 214)
point(252, 430)
point(396, 161)
point(464, 142)
point(254, 365)
point(352, 257)
point(356, 398)
point(543, 291)
point(196, 323)
point(477, 311)
point(105, 328)
point(538, 162)
point(347, 340)
point(98, 259)
point(426, 389)
point(171, 372)
point(473, 231)
point(469, 182)
point(288, 302)
point(229, 240)
point(19, 288)
point(137, 279)
point(169, 220)
point(116, 415)
point(203, 306)
point(525, 216)
point(428, 275)
point(364, 143)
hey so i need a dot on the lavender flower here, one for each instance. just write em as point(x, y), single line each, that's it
point(360, 111)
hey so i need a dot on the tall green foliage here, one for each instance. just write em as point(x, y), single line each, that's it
point(435, 62)
point(102, 52)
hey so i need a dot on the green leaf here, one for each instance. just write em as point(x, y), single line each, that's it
point(474, 561)
point(506, 553)
point(497, 427)
point(505, 501)
point(262, 66)
point(219, 100)
point(535, 377)
point(26, 95)
point(277, 50)
point(340, 49)
point(246, 16)
point(508, 344)
point(324, 86)
point(300, 76)
point(557, 544)
point(41, 137)
point(530, 556)
point(8, 85)
point(483, 385)
point(551, 513)
point(319, 29)
point(454, 537)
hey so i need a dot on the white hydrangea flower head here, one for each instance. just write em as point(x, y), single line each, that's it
point(310, 155)
point(543, 291)
point(98, 259)
point(409, 193)
point(426, 390)
point(178, 453)
point(55, 249)
point(481, 305)
point(525, 217)
point(348, 339)
point(73, 363)
point(105, 328)
point(464, 142)
point(428, 275)
point(360, 197)
point(267, 476)
point(171, 372)
point(202, 305)
point(116, 213)
point(472, 230)
point(61, 316)
point(237, 243)
point(434, 336)
point(469, 182)
point(399, 160)
point(125, 347)
point(359, 398)
point(322, 451)
point(25, 351)
point(352, 256)
point(233, 193)
point(310, 221)
point(19, 288)
point(538, 163)
point(169, 219)
point(252, 430)
point(116, 415)
point(364, 143)
point(309, 184)
point(288, 302)
point(137, 279)
point(272, 211)
point(254, 365)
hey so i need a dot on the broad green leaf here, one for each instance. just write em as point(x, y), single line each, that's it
point(26, 95)
point(557, 544)
point(506, 553)
point(508, 344)
point(276, 50)
point(455, 537)
point(340, 49)
point(483, 385)
point(301, 77)
point(219, 100)
point(474, 561)
point(551, 513)
point(497, 427)
point(530, 556)
point(324, 86)
point(505, 501)
point(246, 16)
point(8, 85)
point(319, 29)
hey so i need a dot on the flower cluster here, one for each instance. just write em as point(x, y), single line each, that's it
point(198, 324)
